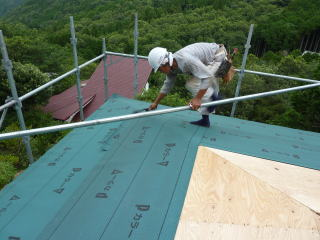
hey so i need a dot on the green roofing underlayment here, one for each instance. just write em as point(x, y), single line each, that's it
point(128, 180)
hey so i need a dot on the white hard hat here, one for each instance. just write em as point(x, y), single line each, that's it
point(158, 56)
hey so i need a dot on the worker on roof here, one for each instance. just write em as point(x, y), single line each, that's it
point(201, 60)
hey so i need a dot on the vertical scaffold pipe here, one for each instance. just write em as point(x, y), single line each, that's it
point(136, 35)
point(105, 69)
point(76, 65)
point(18, 105)
point(3, 115)
point(241, 74)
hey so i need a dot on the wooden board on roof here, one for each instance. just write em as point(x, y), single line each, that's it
point(225, 202)
point(302, 184)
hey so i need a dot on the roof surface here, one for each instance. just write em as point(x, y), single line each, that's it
point(128, 180)
point(120, 81)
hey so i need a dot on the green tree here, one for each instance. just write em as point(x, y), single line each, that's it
point(293, 66)
point(14, 147)
point(27, 77)
point(172, 99)
point(7, 5)
point(304, 113)
point(7, 170)
point(47, 57)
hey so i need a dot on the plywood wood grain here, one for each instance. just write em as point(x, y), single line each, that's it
point(225, 202)
point(302, 184)
point(190, 230)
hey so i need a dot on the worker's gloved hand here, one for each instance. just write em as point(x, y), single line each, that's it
point(195, 103)
point(153, 106)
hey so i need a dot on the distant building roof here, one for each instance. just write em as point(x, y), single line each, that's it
point(64, 106)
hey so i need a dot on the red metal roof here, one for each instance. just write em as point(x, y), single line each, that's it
point(120, 81)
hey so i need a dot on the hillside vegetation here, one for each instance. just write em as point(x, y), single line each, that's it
point(7, 5)
point(37, 34)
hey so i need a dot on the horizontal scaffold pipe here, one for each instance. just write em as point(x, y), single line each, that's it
point(238, 70)
point(279, 76)
point(48, 84)
point(146, 114)
point(29, 94)
point(125, 55)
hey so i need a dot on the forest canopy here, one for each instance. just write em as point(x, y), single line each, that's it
point(37, 35)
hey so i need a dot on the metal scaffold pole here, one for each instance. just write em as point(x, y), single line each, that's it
point(48, 84)
point(18, 105)
point(3, 115)
point(53, 81)
point(241, 75)
point(136, 35)
point(76, 65)
point(149, 113)
point(105, 69)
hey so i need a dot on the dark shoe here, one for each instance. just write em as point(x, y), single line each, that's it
point(204, 122)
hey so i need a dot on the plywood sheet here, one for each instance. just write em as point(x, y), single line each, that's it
point(302, 184)
point(190, 230)
point(225, 202)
